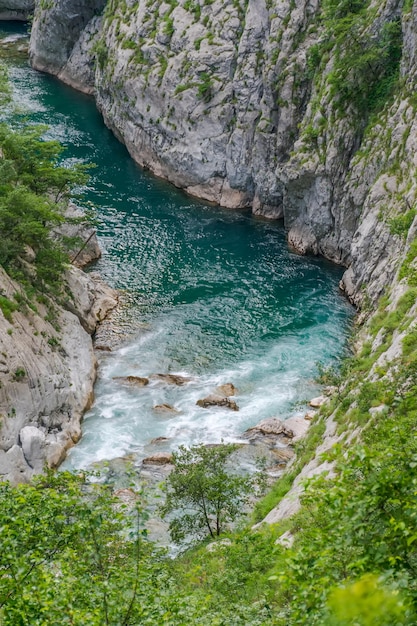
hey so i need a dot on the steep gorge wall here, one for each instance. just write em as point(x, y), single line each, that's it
point(16, 9)
point(47, 372)
point(227, 100)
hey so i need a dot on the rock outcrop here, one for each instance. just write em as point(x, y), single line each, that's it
point(134, 381)
point(16, 9)
point(47, 372)
point(235, 102)
point(56, 33)
point(215, 400)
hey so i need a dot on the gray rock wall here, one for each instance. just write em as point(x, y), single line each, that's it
point(16, 9)
point(219, 98)
point(47, 372)
point(56, 29)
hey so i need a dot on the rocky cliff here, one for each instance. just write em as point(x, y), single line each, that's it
point(298, 109)
point(47, 371)
point(16, 9)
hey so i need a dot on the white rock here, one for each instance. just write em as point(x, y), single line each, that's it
point(316, 403)
point(286, 540)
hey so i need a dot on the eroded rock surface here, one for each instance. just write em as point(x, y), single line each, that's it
point(171, 379)
point(47, 371)
point(165, 408)
point(135, 381)
point(159, 458)
point(214, 400)
point(16, 9)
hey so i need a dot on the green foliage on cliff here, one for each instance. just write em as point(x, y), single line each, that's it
point(366, 55)
point(33, 190)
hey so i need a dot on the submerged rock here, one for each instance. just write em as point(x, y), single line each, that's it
point(126, 495)
point(272, 429)
point(159, 458)
point(296, 428)
point(171, 379)
point(214, 400)
point(226, 390)
point(135, 381)
point(157, 440)
point(165, 408)
point(103, 348)
point(269, 426)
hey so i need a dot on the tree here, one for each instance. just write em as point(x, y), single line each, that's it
point(36, 162)
point(202, 494)
point(73, 553)
point(34, 190)
point(4, 86)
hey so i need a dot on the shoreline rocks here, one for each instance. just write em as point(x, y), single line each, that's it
point(47, 373)
point(158, 458)
point(165, 408)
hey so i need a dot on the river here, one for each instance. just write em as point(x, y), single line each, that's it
point(214, 295)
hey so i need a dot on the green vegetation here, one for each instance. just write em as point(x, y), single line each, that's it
point(364, 52)
point(74, 554)
point(34, 193)
point(205, 87)
point(202, 494)
point(366, 62)
point(33, 190)
point(7, 308)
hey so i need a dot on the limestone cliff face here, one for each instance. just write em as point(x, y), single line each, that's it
point(47, 371)
point(56, 29)
point(235, 102)
point(16, 9)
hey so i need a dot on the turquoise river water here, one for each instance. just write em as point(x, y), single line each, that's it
point(214, 295)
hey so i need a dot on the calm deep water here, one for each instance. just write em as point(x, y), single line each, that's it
point(213, 294)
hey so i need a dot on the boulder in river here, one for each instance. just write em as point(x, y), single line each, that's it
point(165, 408)
point(310, 415)
point(136, 381)
point(269, 426)
point(214, 400)
point(268, 431)
point(171, 379)
point(126, 495)
point(283, 455)
point(157, 440)
point(159, 458)
point(228, 389)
